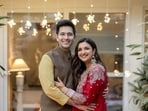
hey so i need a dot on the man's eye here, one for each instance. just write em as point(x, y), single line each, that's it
point(62, 34)
point(87, 48)
point(70, 34)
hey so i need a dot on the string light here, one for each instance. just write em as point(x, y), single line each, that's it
point(106, 17)
point(44, 21)
point(58, 16)
point(21, 31)
point(11, 22)
point(86, 27)
point(74, 20)
point(28, 23)
point(99, 26)
point(91, 17)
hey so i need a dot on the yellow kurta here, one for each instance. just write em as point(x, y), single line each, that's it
point(55, 63)
point(46, 77)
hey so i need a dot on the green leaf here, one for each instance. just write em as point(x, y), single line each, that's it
point(4, 17)
point(2, 24)
point(133, 46)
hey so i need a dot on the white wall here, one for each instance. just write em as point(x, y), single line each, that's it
point(3, 62)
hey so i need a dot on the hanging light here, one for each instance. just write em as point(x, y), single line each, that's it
point(48, 30)
point(86, 27)
point(11, 23)
point(91, 17)
point(58, 16)
point(106, 17)
point(28, 23)
point(99, 26)
point(44, 22)
point(21, 31)
point(74, 20)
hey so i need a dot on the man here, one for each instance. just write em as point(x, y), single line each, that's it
point(57, 63)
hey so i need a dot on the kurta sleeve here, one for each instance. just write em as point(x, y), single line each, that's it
point(92, 84)
point(46, 77)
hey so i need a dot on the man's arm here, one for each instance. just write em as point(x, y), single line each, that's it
point(46, 77)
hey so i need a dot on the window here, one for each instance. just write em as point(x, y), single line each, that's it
point(31, 43)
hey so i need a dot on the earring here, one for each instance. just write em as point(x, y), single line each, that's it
point(93, 59)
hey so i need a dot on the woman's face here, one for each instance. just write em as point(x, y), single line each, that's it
point(85, 52)
point(65, 37)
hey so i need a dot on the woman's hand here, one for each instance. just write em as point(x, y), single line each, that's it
point(59, 83)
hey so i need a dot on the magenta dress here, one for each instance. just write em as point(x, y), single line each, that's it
point(91, 86)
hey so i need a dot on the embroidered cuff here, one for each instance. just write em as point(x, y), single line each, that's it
point(70, 93)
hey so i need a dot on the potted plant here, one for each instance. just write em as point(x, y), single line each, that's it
point(3, 17)
point(140, 85)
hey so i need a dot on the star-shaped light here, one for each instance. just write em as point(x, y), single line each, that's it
point(21, 31)
point(58, 16)
point(28, 24)
point(44, 22)
point(91, 18)
point(11, 23)
point(75, 21)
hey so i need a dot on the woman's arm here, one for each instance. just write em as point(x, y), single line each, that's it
point(91, 85)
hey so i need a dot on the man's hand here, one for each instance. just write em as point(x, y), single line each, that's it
point(105, 93)
point(91, 107)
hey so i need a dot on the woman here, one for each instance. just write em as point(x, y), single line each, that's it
point(87, 66)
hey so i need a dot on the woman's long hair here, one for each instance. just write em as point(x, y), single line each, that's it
point(77, 65)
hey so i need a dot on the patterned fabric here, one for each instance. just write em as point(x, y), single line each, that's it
point(91, 86)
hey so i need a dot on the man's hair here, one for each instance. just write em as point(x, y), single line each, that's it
point(65, 22)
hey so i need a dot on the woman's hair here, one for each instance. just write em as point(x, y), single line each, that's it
point(77, 65)
point(65, 22)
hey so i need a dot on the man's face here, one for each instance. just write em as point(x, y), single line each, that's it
point(65, 37)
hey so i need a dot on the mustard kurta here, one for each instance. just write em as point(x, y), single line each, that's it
point(55, 63)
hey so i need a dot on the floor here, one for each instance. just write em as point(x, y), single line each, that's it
point(31, 101)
